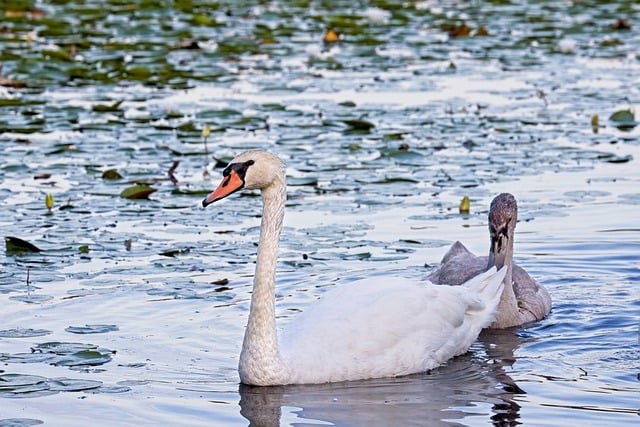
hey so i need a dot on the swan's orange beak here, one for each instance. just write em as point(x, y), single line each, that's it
point(230, 184)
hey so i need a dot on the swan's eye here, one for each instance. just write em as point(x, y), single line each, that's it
point(239, 168)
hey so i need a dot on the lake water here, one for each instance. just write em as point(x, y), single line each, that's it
point(133, 312)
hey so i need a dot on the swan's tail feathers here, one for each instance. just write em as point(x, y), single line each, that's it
point(488, 287)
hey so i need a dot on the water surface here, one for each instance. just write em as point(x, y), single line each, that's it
point(133, 313)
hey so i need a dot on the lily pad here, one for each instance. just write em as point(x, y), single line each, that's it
point(14, 384)
point(111, 174)
point(17, 246)
point(74, 354)
point(359, 125)
point(23, 333)
point(295, 182)
point(138, 191)
point(91, 329)
point(174, 252)
point(623, 119)
point(70, 384)
point(106, 108)
point(188, 192)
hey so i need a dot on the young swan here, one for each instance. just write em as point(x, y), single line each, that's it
point(523, 299)
point(379, 327)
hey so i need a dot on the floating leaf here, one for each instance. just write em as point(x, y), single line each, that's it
point(102, 108)
point(11, 382)
point(91, 329)
point(69, 384)
point(74, 354)
point(188, 192)
point(111, 174)
point(361, 125)
point(623, 119)
point(84, 249)
point(139, 73)
point(312, 181)
point(23, 333)
point(620, 24)
point(48, 201)
point(331, 36)
point(138, 191)
point(16, 246)
point(465, 205)
point(460, 31)
point(62, 55)
point(63, 148)
point(174, 252)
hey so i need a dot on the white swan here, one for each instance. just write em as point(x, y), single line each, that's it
point(524, 300)
point(365, 329)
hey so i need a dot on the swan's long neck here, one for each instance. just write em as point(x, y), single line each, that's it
point(260, 360)
point(508, 303)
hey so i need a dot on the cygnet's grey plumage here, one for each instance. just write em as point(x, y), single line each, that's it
point(523, 302)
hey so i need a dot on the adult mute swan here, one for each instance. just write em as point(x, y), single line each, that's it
point(365, 329)
point(523, 299)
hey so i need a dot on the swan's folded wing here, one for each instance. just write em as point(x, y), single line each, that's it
point(367, 329)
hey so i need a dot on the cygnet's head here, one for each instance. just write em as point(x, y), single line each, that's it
point(503, 216)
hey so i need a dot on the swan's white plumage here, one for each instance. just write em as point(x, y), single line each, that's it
point(369, 329)
point(365, 329)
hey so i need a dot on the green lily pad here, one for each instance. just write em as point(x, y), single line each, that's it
point(187, 192)
point(73, 354)
point(105, 108)
point(17, 246)
point(623, 119)
point(138, 191)
point(359, 125)
point(111, 174)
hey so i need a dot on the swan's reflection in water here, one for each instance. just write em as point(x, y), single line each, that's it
point(474, 384)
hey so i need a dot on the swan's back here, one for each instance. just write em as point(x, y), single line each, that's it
point(369, 329)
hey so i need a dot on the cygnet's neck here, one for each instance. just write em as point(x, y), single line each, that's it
point(508, 311)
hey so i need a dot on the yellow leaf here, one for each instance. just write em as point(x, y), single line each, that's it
point(465, 205)
point(48, 201)
point(206, 131)
point(331, 36)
